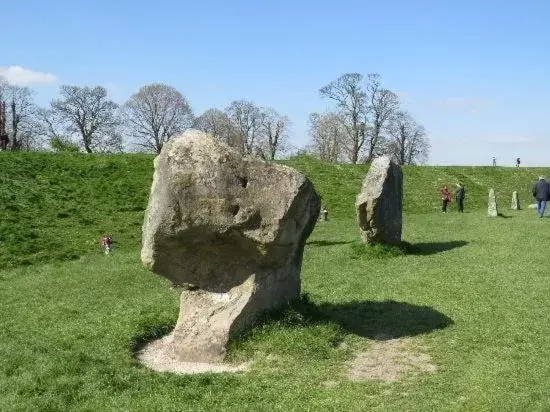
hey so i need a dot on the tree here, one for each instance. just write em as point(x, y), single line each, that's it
point(156, 113)
point(247, 121)
point(408, 142)
point(382, 104)
point(21, 116)
point(351, 102)
point(88, 113)
point(327, 135)
point(216, 123)
point(275, 129)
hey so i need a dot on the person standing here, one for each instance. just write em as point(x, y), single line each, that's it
point(541, 193)
point(518, 162)
point(445, 198)
point(494, 161)
point(106, 243)
point(459, 194)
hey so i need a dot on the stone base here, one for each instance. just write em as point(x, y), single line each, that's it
point(160, 357)
point(205, 322)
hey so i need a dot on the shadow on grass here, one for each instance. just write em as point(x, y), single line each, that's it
point(370, 319)
point(431, 248)
point(326, 243)
point(503, 216)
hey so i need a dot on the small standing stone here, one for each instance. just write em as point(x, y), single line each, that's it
point(515, 201)
point(492, 210)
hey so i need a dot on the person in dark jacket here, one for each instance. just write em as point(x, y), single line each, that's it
point(459, 195)
point(541, 193)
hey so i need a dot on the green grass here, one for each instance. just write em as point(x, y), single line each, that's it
point(474, 292)
point(55, 207)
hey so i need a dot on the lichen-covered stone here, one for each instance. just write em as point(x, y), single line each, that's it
point(229, 228)
point(379, 205)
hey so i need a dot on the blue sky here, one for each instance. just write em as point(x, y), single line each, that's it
point(474, 73)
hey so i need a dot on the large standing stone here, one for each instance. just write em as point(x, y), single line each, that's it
point(515, 201)
point(231, 229)
point(492, 210)
point(379, 205)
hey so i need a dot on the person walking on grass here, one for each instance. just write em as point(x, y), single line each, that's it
point(445, 198)
point(541, 193)
point(459, 194)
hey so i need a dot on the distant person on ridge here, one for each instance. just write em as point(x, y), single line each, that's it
point(494, 161)
point(459, 194)
point(518, 162)
point(445, 198)
point(541, 192)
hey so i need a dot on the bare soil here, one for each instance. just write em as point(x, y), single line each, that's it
point(390, 360)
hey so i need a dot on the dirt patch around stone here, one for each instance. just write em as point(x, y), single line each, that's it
point(390, 360)
point(158, 357)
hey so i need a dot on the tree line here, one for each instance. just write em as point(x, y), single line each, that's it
point(366, 121)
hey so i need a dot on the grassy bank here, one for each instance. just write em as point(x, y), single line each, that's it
point(54, 207)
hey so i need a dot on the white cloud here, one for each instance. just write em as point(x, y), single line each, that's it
point(22, 77)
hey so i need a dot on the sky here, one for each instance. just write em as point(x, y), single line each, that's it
point(475, 74)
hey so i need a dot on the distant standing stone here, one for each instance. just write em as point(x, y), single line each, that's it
point(515, 201)
point(492, 210)
point(379, 205)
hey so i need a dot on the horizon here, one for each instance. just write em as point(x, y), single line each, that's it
point(472, 74)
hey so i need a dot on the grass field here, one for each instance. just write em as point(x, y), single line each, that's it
point(470, 297)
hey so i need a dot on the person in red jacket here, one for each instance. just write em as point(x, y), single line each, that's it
point(445, 198)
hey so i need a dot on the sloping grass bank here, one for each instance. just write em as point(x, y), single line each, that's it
point(54, 207)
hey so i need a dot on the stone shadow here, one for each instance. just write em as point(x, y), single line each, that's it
point(503, 216)
point(430, 248)
point(378, 320)
point(326, 243)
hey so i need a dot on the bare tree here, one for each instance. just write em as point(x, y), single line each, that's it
point(216, 123)
point(328, 134)
point(382, 104)
point(408, 142)
point(247, 120)
point(88, 113)
point(156, 113)
point(275, 132)
point(22, 115)
point(351, 101)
